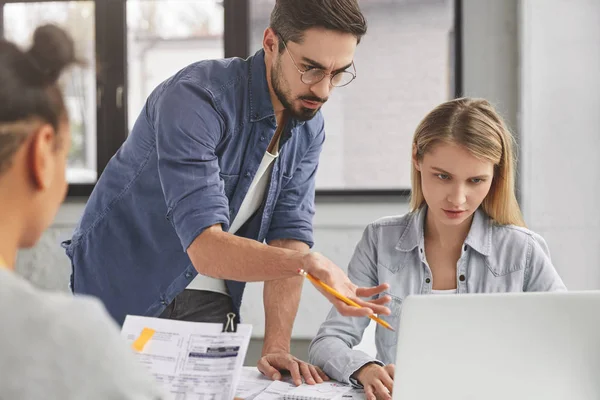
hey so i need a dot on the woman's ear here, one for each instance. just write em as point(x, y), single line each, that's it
point(415, 159)
point(41, 156)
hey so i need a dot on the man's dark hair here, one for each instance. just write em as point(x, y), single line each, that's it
point(290, 18)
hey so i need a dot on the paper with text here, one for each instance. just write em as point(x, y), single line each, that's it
point(275, 391)
point(321, 391)
point(191, 360)
point(252, 383)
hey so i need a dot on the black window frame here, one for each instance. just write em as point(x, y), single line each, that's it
point(111, 77)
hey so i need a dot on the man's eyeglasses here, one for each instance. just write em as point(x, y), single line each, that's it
point(313, 76)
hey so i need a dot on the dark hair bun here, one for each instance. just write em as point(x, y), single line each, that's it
point(52, 51)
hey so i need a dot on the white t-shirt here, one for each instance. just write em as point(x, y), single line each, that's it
point(445, 291)
point(250, 204)
point(56, 346)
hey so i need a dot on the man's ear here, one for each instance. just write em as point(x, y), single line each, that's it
point(415, 159)
point(270, 41)
point(41, 158)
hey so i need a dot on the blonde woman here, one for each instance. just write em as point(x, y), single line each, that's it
point(464, 234)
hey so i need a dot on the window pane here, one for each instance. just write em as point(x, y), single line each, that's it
point(166, 36)
point(79, 84)
point(403, 69)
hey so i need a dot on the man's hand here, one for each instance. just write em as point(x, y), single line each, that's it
point(378, 381)
point(271, 365)
point(322, 268)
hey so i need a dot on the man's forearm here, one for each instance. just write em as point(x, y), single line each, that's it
point(222, 255)
point(281, 300)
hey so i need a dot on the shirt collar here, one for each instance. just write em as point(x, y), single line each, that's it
point(479, 237)
point(261, 106)
point(480, 234)
point(413, 234)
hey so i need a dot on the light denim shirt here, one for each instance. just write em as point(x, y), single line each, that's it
point(494, 258)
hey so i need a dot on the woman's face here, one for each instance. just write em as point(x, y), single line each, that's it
point(454, 182)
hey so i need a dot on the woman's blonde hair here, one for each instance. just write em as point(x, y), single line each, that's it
point(476, 126)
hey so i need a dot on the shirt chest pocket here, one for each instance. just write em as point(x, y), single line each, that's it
point(503, 274)
point(286, 168)
point(230, 184)
point(389, 338)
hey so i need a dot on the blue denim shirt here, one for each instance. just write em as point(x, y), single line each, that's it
point(186, 165)
point(494, 258)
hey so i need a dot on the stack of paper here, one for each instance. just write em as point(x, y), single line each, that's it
point(251, 384)
point(254, 386)
point(191, 360)
point(322, 391)
point(275, 391)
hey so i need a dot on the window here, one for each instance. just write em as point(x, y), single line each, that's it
point(94, 94)
point(164, 37)
point(404, 68)
point(79, 84)
point(407, 63)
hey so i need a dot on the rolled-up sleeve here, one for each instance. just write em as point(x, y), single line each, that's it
point(295, 206)
point(188, 128)
point(332, 348)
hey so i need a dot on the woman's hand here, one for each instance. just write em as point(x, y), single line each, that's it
point(378, 381)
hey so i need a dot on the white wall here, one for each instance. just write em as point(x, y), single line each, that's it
point(490, 54)
point(560, 107)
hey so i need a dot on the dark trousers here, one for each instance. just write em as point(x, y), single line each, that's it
point(199, 306)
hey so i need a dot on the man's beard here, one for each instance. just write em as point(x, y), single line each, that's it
point(303, 114)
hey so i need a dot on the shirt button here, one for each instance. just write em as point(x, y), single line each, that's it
point(247, 174)
point(462, 278)
point(427, 280)
point(262, 138)
point(188, 275)
point(163, 302)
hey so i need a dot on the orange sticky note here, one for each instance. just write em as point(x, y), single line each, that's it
point(141, 341)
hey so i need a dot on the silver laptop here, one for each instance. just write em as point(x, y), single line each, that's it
point(499, 346)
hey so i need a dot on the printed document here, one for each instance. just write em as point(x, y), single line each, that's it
point(191, 360)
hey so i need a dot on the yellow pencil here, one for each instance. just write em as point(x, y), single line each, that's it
point(341, 297)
